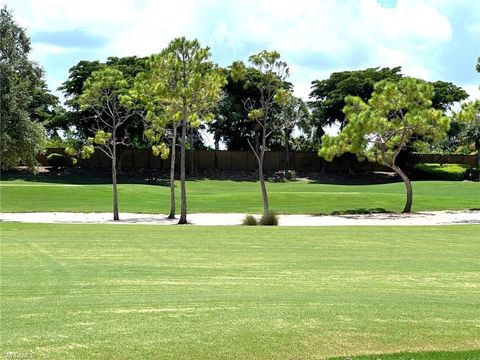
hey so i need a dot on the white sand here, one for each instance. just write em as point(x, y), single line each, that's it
point(419, 218)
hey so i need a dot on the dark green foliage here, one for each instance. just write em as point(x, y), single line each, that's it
point(232, 125)
point(329, 95)
point(73, 88)
point(453, 172)
point(250, 220)
point(56, 159)
point(446, 94)
point(24, 97)
point(269, 219)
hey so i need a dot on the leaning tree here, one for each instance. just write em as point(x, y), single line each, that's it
point(379, 129)
point(468, 119)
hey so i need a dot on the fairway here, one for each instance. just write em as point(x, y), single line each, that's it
point(147, 292)
point(213, 196)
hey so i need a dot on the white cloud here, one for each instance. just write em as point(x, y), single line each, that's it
point(473, 91)
point(335, 35)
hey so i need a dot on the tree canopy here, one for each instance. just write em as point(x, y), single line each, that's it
point(329, 94)
point(379, 128)
point(25, 100)
point(74, 87)
point(185, 86)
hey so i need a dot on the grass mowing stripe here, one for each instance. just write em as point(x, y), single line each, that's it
point(115, 291)
point(299, 197)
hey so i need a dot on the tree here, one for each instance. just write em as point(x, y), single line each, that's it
point(106, 94)
point(329, 95)
point(188, 85)
point(270, 86)
point(380, 128)
point(151, 88)
point(294, 112)
point(24, 98)
point(446, 95)
point(231, 124)
point(468, 119)
point(83, 119)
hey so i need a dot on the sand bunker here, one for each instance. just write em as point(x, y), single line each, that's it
point(419, 218)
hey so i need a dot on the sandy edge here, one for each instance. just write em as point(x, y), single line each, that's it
point(420, 218)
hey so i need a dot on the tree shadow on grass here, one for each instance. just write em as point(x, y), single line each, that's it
point(360, 211)
point(357, 211)
point(83, 177)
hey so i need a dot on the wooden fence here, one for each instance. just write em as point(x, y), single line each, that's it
point(245, 161)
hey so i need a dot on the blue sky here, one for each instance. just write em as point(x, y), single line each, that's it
point(430, 39)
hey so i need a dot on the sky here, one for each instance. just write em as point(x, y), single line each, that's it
point(429, 39)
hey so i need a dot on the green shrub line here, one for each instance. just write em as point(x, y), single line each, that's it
point(430, 171)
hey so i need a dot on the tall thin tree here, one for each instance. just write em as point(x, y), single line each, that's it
point(270, 84)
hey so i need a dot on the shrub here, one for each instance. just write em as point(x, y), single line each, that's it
point(269, 218)
point(456, 172)
point(474, 174)
point(250, 220)
point(55, 159)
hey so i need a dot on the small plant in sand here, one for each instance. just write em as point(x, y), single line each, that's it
point(250, 220)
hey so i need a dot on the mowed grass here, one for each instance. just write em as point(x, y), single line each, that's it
point(152, 292)
point(236, 196)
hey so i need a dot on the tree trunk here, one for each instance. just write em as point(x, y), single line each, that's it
point(261, 178)
point(119, 156)
point(478, 161)
point(191, 152)
point(114, 183)
point(266, 208)
point(287, 154)
point(257, 135)
point(172, 173)
point(183, 209)
point(215, 159)
point(408, 185)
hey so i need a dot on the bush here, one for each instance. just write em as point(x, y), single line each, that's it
point(270, 219)
point(455, 172)
point(474, 174)
point(250, 220)
point(55, 159)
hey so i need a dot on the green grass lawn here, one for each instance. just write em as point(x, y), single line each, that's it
point(235, 196)
point(153, 292)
